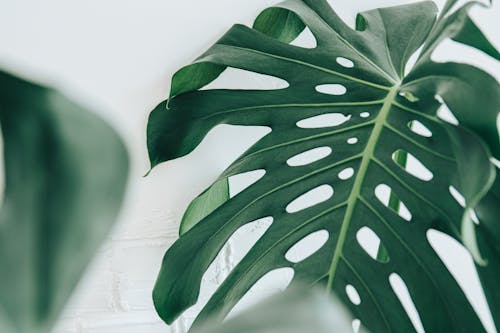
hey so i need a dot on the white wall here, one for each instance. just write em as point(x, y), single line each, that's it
point(118, 55)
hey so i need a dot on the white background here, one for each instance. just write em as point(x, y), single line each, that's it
point(118, 56)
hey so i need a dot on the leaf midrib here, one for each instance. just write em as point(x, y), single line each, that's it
point(368, 154)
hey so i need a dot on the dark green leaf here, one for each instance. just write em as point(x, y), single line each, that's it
point(65, 175)
point(380, 106)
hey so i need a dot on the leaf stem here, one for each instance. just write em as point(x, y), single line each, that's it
point(358, 182)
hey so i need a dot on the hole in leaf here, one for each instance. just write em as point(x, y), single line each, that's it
point(460, 199)
point(412, 60)
point(245, 238)
point(310, 198)
point(473, 216)
point(242, 181)
point(323, 120)
point(305, 39)
point(409, 96)
point(458, 261)
point(418, 128)
point(236, 247)
point(370, 242)
point(353, 294)
point(413, 166)
point(344, 62)
point(385, 194)
point(307, 246)
point(401, 290)
point(356, 325)
point(331, 89)
point(492, 159)
point(457, 196)
point(235, 78)
point(346, 173)
point(309, 156)
point(364, 114)
point(444, 113)
point(271, 283)
point(352, 141)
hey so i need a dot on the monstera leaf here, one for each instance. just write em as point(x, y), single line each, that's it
point(65, 175)
point(387, 122)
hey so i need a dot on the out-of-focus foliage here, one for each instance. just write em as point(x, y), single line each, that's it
point(299, 310)
point(65, 176)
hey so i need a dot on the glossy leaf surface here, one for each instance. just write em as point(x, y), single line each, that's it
point(359, 77)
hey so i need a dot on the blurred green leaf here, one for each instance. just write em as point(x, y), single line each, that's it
point(295, 311)
point(65, 176)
